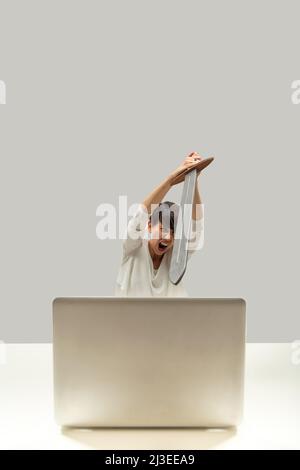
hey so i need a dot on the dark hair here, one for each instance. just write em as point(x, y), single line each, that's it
point(165, 212)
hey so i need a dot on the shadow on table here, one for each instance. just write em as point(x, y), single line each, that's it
point(149, 438)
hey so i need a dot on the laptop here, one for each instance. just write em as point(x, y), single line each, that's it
point(148, 362)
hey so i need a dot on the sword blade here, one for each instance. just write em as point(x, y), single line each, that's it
point(179, 254)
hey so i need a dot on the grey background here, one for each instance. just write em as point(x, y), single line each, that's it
point(105, 98)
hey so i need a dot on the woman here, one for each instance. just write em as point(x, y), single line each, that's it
point(147, 249)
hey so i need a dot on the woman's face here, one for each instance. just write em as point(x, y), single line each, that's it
point(161, 240)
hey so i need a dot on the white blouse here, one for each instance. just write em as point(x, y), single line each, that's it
point(137, 276)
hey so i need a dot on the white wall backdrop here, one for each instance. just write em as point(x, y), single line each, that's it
point(105, 98)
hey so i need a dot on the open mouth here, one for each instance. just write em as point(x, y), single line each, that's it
point(162, 246)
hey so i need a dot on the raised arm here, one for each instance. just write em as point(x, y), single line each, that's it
point(156, 196)
point(159, 192)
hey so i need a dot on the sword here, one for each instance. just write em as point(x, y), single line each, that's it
point(182, 232)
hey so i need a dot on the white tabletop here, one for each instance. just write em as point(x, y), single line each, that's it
point(271, 415)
